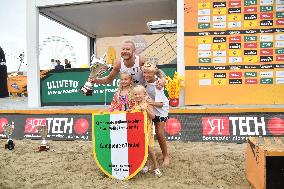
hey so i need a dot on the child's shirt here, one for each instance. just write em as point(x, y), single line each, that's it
point(120, 103)
point(158, 96)
point(149, 123)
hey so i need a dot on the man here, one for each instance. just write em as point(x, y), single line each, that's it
point(67, 64)
point(131, 63)
point(3, 75)
point(59, 67)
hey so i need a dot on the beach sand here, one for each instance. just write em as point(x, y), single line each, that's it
point(70, 164)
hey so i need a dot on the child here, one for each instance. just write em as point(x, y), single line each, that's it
point(140, 104)
point(122, 99)
point(160, 104)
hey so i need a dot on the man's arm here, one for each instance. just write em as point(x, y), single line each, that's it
point(161, 75)
point(109, 78)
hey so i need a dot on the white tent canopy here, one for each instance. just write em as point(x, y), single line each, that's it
point(111, 18)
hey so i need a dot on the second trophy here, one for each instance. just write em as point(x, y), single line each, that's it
point(43, 131)
point(8, 130)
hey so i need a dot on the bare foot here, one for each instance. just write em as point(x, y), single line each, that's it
point(166, 161)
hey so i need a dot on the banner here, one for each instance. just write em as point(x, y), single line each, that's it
point(63, 88)
point(232, 48)
point(120, 144)
point(199, 127)
point(60, 126)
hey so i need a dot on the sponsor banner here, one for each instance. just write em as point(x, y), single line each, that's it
point(219, 53)
point(250, 74)
point(235, 3)
point(60, 127)
point(204, 12)
point(279, 51)
point(235, 39)
point(280, 22)
point(266, 15)
point(279, 14)
point(204, 5)
point(266, 2)
point(266, 81)
point(279, 73)
point(227, 127)
point(202, 40)
point(234, 17)
point(250, 38)
point(251, 81)
point(280, 58)
point(203, 25)
point(205, 82)
point(235, 74)
point(204, 60)
point(235, 59)
point(250, 9)
point(204, 19)
point(63, 88)
point(235, 81)
point(279, 80)
point(234, 24)
point(250, 2)
point(266, 52)
point(234, 128)
point(266, 8)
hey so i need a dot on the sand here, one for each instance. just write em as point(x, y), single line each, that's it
point(70, 164)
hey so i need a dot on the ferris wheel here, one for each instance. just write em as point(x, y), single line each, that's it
point(55, 48)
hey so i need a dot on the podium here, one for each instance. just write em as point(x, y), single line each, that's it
point(265, 162)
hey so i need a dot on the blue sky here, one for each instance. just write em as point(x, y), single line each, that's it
point(13, 37)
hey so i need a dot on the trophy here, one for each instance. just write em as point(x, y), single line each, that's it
point(98, 68)
point(43, 131)
point(8, 130)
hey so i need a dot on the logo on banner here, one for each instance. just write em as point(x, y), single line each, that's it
point(32, 124)
point(235, 128)
point(119, 143)
point(215, 126)
point(58, 127)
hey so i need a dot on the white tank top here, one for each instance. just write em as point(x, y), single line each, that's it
point(135, 71)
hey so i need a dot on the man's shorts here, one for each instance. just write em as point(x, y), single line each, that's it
point(160, 119)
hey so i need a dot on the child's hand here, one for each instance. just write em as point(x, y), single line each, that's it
point(151, 103)
point(91, 80)
point(160, 83)
point(128, 110)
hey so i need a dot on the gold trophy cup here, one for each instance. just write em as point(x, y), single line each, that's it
point(8, 130)
point(98, 68)
point(43, 131)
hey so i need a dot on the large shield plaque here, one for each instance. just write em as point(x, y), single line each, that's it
point(120, 143)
